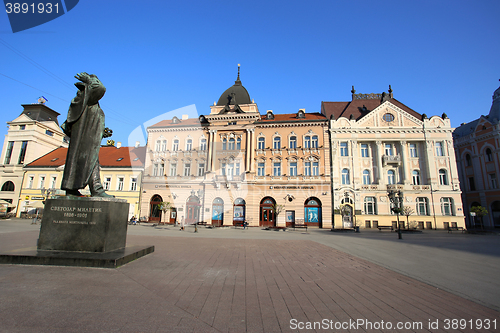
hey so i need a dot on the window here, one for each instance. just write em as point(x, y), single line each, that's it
point(388, 117)
point(231, 144)
point(133, 184)
point(413, 150)
point(277, 168)
point(201, 169)
point(366, 177)
point(157, 146)
point(49, 133)
point(343, 149)
point(22, 153)
point(391, 177)
point(22, 127)
point(175, 146)
point(161, 169)
point(8, 186)
point(107, 183)
point(388, 149)
point(53, 182)
point(293, 142)
point(307, 142)
point(277, 143)
point(189, 144)
point(364, 150)
point(120, 184)
point(42, 182)
point(416, 177)
point(489, 156)
point(307, 168)
point(155, 169)
point(203, 144)
point(439, 149)
point(443, 178)
point(345, 177)
point(293, 169)
point(237, 168)
point(261, 169)
point(223, 169)
point(173, 169)
point(468, 161)
point(422, 206)
point(8, 152)
point(472, 185)
point(493, 180)
point(31, 179)
point(447, 206)
point(187, 169)
point(315, 170)
point(164, 145)
point(238, 144)
point(370, 206)
point(224, 144)
point(314, 141)
point(261, 143)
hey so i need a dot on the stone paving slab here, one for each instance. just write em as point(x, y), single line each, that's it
point(194, 284)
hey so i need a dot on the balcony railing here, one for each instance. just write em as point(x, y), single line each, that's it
point(391, 159)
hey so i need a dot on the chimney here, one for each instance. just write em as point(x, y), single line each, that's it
point(185, 116)
point(118, 144)
point(137, 144)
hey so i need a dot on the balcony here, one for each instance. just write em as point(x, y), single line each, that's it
point(391, 159)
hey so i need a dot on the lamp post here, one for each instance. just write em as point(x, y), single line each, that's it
point(397, 200)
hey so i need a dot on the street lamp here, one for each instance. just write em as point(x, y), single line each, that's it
point(397, 200)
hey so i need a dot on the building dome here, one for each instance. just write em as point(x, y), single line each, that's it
point(235, 95)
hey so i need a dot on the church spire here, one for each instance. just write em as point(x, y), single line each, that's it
point(238, 82)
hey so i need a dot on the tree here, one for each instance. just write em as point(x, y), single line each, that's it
point(480, 212)
point(407, 211)
point(164, 207)
point(277, 209)
point(344, 210)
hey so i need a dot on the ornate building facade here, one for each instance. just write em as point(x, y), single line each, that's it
point(235, 164)
point(33, 133)
point(477, 149)
point(380, 144)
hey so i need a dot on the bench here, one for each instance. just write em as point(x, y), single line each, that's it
point(201, 223)
point(239, 224)
point(299, 225)
point(389, 227)
point(451, 229)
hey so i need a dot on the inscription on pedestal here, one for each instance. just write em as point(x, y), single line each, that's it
point(84, 224)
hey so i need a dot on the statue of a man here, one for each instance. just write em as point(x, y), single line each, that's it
point(85, 127)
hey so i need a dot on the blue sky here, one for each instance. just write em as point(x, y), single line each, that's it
point(158, 56)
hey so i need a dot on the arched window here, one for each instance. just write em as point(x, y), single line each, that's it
point(277, 142)
point(314, 141)
point(422, 206)
point(345, 177)
point(416, 177)
point(231, 144)
point(238, 144)
point(468, 161)
point(447, 206)
point(8, 186)
point(307, 142)
point(175, 145)
point(157, 146)
point(443, 177)
point(489, 156)
point(366, 177)
point(189, 144)
point(293, 142)
point(391, 177)
point(203, 144)
point(224, 144)
point(370, 205)
point(261, 143)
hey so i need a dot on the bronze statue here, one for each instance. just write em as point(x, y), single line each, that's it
point(85, 127)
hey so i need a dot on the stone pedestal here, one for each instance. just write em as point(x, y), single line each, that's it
point(84, 224)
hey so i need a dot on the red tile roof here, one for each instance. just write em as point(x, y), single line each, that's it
point(359, 108)
point(185, 122)
point(108, 157)
point(293, 117)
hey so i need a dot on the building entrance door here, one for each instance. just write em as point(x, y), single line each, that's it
point(218, 212)
point(154, 211)
point(267, 215)
point(192, 210)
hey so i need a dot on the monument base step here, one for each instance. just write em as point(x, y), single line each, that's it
point(111, 259)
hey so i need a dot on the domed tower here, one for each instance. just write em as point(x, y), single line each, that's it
point(494, 115)
point(235, 99)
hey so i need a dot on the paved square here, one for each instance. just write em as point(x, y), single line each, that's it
point(195, 284)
